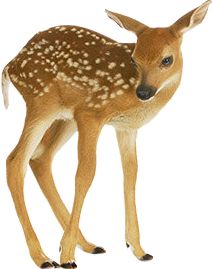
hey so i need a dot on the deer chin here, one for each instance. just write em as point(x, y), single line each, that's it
point(174, 79)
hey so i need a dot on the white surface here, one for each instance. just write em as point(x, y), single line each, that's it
point(174, 151)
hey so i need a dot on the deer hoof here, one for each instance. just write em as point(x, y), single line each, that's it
point(98, 250)
point(50, 264)
point(69, 265)
point(146, 257)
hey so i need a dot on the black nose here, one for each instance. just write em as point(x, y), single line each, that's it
point(145, 92)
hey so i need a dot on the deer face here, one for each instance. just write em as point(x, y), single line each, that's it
point(157, 58)
point(157, 54)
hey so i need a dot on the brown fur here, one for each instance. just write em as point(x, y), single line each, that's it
point(72, 78)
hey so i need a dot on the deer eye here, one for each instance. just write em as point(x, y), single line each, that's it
point(167, 61)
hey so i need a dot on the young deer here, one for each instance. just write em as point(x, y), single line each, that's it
point(74, 79)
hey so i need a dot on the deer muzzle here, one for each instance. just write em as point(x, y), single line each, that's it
point(145, 92)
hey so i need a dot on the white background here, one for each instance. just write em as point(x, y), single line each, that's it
point(174, 151)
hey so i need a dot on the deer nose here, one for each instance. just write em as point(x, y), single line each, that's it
point(145, 92)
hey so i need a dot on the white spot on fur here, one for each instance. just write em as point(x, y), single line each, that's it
point(112, 95)
point(101, 73)
point(66, 56)
point(119, 92)
point(84, 78)
point(62, 76)
point(46, 51)
point(63, 28)
point(88, 67)
point(125, 86)
point(90, 104)
point(105, 88)
point(70, 62)
point(75, 64)
point(98, 61)
point(111, 65)
point(104, 96)
point(132, 81)
point(109, 78)
point(46, 89)
point(119, 82)
point(88, 99)
point(105, 102)
point(23, 63)
point(117, 76)
point(91, 82)
point(103, 40)
point(85, 62)
point(97, 106)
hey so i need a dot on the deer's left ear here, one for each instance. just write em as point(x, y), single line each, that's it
point(127, 22)
point(191, 19)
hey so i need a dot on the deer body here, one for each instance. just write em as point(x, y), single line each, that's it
point(62, 64)
point(74, 79)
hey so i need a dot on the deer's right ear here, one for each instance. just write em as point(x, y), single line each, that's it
point(127, 22)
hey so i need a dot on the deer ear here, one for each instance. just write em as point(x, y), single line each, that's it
point(191, 19)
point(127, 22)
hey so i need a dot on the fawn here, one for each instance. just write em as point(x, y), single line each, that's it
point(74, 79)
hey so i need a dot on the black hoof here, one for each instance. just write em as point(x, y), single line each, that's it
point(127, 245)
point(98, 250)
point(69, 265)
point(146, 257)
point(56, 265)
point(46, 265)
point(50, 265)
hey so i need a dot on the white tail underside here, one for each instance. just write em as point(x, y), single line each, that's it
point(5, 86)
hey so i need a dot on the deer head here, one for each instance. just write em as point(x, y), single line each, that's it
point(157, 54)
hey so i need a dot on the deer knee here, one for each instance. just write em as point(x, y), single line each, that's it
point(14, 169)
point(39, 151)
point(40, 161)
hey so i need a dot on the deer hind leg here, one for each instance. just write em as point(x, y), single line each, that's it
point(89, 131)
point(127, 146)
point(57, 135)
point(34, 129)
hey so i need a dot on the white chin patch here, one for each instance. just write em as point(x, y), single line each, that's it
point(169, 82)
point(145, 101)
